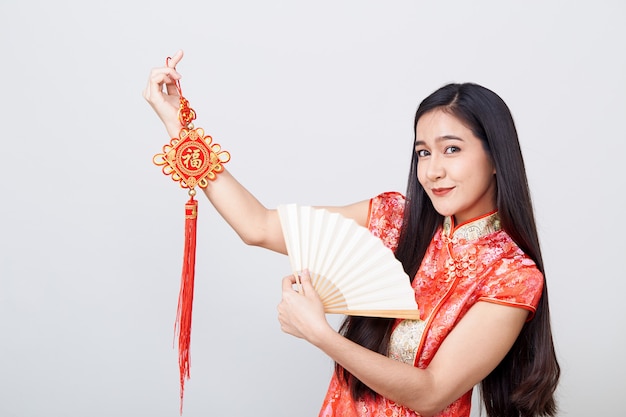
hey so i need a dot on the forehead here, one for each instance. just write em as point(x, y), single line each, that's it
point(437, 124)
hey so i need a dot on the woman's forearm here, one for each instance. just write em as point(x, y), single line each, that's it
point(251, 220)
point(402, 383)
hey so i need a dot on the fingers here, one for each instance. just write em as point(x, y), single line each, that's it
point(289, 306)
point(301, 313)
point(163, 76)
point(302, 281)
point(307, 284)
point(159, 77)
point(288, 283)
point(170, 86)
point(174, 76)
point(173, 61)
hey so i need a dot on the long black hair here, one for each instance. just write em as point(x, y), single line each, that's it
point(523, 384)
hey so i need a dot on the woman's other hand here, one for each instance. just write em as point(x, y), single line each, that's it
point(162, 94)
point(301, 312)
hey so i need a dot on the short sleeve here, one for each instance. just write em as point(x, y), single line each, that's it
point(515, 282)
point(385, 217)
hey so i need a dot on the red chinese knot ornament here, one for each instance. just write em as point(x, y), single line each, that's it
point(192, 160)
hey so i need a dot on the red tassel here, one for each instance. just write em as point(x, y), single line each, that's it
point(185, 297)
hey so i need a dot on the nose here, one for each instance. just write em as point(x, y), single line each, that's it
point(434, 168)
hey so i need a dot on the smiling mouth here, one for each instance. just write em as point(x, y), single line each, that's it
point(441, 191)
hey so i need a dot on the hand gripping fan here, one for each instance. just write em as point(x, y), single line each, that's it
point(353, 272)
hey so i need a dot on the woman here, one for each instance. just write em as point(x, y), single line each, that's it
point(466, 235)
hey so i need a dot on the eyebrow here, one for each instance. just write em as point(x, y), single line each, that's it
point(439, 139)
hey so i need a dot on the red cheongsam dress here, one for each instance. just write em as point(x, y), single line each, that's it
point(466, 263)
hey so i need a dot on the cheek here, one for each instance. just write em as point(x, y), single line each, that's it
point(479, 171)
point(421, 175)
point(483, 181)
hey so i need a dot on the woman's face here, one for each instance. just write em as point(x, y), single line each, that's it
point(453, 167)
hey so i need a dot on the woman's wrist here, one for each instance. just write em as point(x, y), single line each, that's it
point(322, 335)
point(173, 129)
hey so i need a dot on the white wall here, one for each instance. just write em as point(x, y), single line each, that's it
point(315, 102)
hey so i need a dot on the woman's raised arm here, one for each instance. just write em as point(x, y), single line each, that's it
point(251, 220)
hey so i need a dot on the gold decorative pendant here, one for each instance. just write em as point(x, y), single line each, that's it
point(192, 159)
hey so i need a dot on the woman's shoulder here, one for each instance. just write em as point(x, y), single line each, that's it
point(385, 217)
point(514, 277)
point(387, 202)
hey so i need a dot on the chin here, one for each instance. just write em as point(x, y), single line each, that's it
point(444, 212)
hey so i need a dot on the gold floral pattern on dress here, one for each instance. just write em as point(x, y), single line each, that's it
point(464, 264)
point(473, 230)
point(405, 340)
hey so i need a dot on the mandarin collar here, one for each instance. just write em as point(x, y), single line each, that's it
point(472, 229)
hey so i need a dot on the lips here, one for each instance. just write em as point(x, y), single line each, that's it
point(440, 192)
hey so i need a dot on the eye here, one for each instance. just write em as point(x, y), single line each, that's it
point(452, 149)
point(421, 153)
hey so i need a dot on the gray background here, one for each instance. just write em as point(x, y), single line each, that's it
point(315, 102)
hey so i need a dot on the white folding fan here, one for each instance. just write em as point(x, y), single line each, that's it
point(353, 272)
